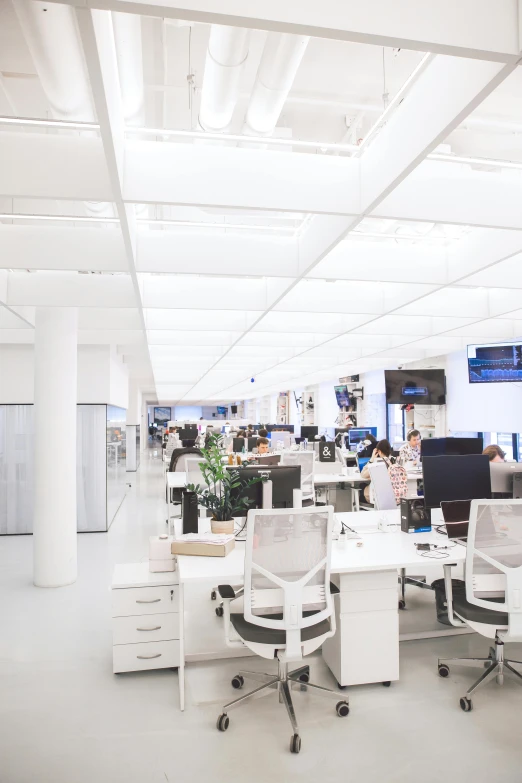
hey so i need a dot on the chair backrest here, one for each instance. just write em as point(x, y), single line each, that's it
point(383, 493)
point(287, 570)
point(181, 464)
point(494, 559)
point(194, 474)
point(307, 461)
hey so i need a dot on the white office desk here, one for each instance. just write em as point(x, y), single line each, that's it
point(365, 648)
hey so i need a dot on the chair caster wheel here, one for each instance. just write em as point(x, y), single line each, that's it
point(304, 678)
point(466, 704)
point(342, 709)
point(387, 683)
point(219, 611)
point(223, 722)
point(402, 604)
point(213, 595)
point(295, 743)
point(238, 682)
point(443, 670)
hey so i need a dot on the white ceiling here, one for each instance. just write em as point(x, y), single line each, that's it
point(210, 263)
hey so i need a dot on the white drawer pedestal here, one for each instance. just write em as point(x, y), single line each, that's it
point(365, 647)
point(147, 611)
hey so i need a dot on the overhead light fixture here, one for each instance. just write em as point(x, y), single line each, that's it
point(395, 101)
point(505, 164)
point(191, 224)
point(37, 123)
point(270, 140)
point(406, 237)
point(62, 218)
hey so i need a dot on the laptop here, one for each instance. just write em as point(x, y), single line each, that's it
point(361, 462)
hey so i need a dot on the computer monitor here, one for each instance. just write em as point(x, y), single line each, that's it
point(464, 477)
point(502, 474)
point(436, 447)
point(356, 435)
point(309, 432)
point(252, 443)
point(361, 462)
point(186, 433)
point(188, 443)
point(456, 517)
point(284, 478)
point(269, 459)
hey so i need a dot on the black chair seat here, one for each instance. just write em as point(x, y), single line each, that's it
point(477, 614)
point(259, 635)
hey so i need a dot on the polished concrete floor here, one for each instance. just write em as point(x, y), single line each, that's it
point(65, 718)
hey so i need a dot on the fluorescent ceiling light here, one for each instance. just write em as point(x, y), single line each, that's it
point(394, 101)
point(407, 237)
point(68, 218)
point(505, 164)
point(324, 145)
point(49, 123)
point(191, 224)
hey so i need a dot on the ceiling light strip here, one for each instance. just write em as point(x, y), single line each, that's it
point(394, 102)
point(193, 224)
point(506, 164)
point(37, 123)
point(406, 237)
point(270, 140)
point(63, 218)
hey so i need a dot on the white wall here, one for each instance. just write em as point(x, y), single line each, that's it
point(118, 380)
point(474, 407)
point(371, 412)
point(326, 408)
point(188, 412)
point(16, 374)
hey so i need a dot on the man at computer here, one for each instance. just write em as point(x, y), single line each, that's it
point(263, 445)
point(410, 453)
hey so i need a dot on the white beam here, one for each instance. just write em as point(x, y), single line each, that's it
point(53, 166)
point(469, 28)
point(48, 247)
point(214, 253)
point(160, 172)
point(67, 289)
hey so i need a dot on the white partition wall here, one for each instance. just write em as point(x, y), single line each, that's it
point(16, 469)
point(91, 469)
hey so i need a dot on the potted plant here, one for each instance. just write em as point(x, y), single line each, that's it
point(223, 492)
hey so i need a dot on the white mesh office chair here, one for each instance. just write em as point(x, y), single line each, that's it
point(288, 608)
point(306, 459)
point(492, 602)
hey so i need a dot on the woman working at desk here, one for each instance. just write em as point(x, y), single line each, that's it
point(381, 453)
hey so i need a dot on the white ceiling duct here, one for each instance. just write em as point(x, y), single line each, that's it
point(52, 37)
point(227, 52)
point(281, 58)
point(127, 37)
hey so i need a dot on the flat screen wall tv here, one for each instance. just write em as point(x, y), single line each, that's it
point(495, 363)
point(417, 387)
point(341, 393)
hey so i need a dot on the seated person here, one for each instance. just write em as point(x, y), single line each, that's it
point(263, 445)
point(381, 453)
point(262, 433)
point(495, 453)
point(368, 446)
point(410, 453)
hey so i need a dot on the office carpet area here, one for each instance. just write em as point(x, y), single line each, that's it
point(65, 718)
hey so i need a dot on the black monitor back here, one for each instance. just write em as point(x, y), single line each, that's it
point(436, 447)
point(309, 432)
point(463, 477)
point(284, 478)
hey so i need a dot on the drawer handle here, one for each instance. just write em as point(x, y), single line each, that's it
point(155, 628)
point(153, 601)
point(148, 657)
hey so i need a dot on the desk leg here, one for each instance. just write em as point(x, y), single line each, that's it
point(181, 668)
point(356, 495)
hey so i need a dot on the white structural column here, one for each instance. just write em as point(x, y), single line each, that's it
point(55, 393)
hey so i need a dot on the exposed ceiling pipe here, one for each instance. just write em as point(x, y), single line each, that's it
point(129, 53)
point(281, 58)
point(52, 37)
point(226, 54)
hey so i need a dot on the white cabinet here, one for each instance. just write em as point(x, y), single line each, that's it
point(146, 611)
point(365, 647)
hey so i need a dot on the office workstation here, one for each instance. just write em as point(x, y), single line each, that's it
point(260, 391)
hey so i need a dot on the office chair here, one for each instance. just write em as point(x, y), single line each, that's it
point(307, 461)
point(385, 499)
point(288, 609)
point(493, 571)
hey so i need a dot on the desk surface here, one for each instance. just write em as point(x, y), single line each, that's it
point(321, 479)
point(380, 551)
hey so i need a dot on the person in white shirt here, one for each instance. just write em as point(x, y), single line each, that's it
point(410, 453)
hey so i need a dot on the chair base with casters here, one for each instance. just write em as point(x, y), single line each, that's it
point(495, 664)
point(258, 638)
point(280, 683)
point(416, 581)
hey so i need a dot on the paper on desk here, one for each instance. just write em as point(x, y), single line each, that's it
point(205, 538)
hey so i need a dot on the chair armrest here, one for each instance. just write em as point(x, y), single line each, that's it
point(449, 596)
point(228, 593)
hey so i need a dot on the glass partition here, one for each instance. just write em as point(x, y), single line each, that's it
point(16, 469)
point(116, 447)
